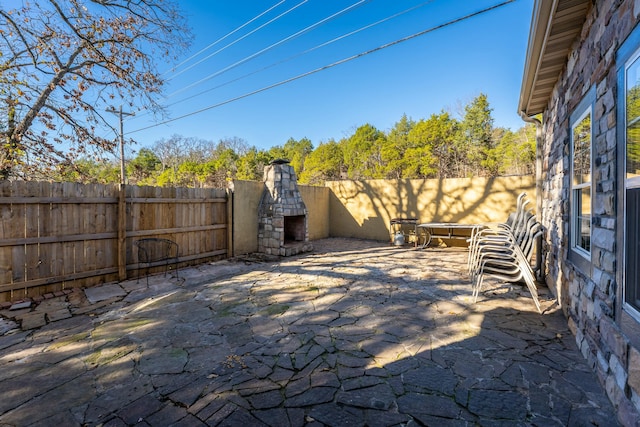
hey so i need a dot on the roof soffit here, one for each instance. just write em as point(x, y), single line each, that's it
point(554, 27)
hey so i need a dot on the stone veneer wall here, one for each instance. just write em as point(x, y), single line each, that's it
point(589, 300)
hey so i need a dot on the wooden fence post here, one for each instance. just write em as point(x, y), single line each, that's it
point(230, 249)
point(122, 233)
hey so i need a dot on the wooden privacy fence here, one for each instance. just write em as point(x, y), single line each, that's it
point(55, 236)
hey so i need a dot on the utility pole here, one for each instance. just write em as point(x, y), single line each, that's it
point(122, 204)
point(9, 140)
point(121, 113)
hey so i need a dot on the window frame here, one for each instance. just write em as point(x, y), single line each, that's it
point(580, 257)
point(626, 184)
point(625, 314)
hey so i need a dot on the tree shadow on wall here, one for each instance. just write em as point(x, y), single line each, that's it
point(363, 209)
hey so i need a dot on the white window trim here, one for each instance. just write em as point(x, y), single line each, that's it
point(574, 221)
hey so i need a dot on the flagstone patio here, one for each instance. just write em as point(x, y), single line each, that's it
point(355, 333)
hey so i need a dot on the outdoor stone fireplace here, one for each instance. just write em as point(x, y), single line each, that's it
point(282, 214)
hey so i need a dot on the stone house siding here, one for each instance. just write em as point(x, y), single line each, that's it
point(588, 298)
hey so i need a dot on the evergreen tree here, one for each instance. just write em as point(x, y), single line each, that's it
point(362, 153)
point(296, 152)
point(434, 142)
point(476, 137)
point(142, 167)
point(394, 148)
point(325, 163)
point(250, 166)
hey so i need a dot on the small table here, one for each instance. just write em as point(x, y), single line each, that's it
point(427, 230)
point(397, 224)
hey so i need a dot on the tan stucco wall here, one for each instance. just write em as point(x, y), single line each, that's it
point(316, 199)
point(246, 198)
point(363, 209)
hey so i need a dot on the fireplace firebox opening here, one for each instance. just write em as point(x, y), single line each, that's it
point(294, 228)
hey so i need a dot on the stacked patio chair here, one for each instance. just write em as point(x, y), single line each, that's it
point(504, 250)
point(513, 221)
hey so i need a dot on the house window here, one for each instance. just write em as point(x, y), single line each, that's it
point(631, 165)
point(581, 185)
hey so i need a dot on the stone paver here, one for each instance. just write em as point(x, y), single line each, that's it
point(356, 333)
point(105, 292)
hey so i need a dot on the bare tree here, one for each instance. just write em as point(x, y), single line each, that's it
point(170, 151)
point(64, 62)
point(239, 145)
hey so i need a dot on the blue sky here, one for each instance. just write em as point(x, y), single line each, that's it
point(441, 70)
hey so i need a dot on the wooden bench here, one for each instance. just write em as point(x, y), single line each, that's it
point(154, 252)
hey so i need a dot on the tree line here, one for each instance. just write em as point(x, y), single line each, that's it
point(440, 146)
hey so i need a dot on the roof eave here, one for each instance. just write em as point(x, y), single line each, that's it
point(540, 24)
point(554, 27)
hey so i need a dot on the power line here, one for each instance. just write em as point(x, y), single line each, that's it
point(229, 45)
point(239, 39)
point(224, 37)
point(278, 43)
point(342, 61)
point(336, 39)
